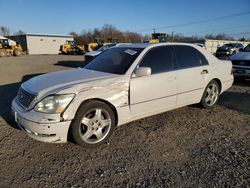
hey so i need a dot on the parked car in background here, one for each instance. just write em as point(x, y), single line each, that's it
point(228, 49)
point(122, 84)
point(87, 57)
point(91, 55)
point(241, 63)
point(201, 45)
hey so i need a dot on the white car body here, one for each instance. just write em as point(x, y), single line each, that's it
point(131, 97)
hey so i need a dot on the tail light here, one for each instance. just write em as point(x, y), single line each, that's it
point(232, 72)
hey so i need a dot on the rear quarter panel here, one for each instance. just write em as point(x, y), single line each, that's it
point(219, 69)
point(222, 70)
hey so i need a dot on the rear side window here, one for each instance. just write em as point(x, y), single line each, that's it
point(159, 59)
point(187, 57)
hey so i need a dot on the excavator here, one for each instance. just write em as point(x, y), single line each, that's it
point(9, 50)
point(71, 48)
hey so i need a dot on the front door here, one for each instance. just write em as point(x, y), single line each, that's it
point(157, 92)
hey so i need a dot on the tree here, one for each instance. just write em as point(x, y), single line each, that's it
point(220, 36)
point(20, 32)
point(132, 37)
point(242, 39)
point(4, 31)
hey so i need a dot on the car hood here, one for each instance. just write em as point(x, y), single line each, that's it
point(241, 56)
point(93, 53)
point(57, 81)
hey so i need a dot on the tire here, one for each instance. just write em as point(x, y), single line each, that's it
point(17, 53)
point(93, 124)
point(211, 94)
point(3, 53)
point(73, 53)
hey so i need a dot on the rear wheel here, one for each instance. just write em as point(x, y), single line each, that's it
point(17, 53)
point(211, 95)
point(93, 124)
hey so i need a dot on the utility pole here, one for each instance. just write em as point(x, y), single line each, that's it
point(172, 36)
point(154, 30)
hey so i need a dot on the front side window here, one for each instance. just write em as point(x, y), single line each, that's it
point(159, 59)
point(187, 57)
point(114, 60)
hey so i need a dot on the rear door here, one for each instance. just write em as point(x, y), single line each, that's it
point(192, 72)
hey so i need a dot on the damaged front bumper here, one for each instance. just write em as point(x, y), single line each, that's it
point(38, 127)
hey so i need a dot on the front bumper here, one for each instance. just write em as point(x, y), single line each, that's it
point(51, 131)
point(241, 71)
point(223, 54)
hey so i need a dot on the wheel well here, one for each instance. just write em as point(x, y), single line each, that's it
point(219, 82)
point(106, 102)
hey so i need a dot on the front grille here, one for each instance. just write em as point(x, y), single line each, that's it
point(24, 97)
point(241, 62)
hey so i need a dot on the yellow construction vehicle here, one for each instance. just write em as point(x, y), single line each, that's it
point(161, 37)
point(9, 50)
point(99, 43)
point(157, 37)
point(71, 48)
point(94, 45)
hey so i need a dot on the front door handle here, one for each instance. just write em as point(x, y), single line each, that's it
point(205, 71)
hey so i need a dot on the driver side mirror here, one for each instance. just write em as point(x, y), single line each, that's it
point(143, 71)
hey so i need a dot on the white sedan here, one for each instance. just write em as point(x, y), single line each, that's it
point(121, 85)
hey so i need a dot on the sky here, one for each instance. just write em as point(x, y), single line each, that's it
point(64, 16)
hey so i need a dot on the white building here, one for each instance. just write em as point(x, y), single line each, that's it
point(34, 43)
point(211, 45)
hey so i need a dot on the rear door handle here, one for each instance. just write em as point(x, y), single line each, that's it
point(205, 71)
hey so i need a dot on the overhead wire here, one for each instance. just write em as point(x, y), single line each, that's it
point(197, 22)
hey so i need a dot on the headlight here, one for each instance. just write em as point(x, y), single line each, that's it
point(54, 104)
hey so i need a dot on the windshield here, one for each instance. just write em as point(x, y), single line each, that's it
point(247, 48)
point(114, 60)
point(230, 45)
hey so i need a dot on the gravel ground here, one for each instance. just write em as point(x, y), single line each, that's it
point(187, 147)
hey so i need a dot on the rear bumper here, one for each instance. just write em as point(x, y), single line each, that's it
point(56, 132)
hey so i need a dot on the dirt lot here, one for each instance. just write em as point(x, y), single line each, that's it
point(187, 147)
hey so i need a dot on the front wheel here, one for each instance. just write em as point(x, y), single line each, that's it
point(3, 53)
point(93, 124)
point(211, 95)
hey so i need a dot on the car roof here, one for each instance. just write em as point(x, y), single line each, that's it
point(134, 45)
point(144, 45)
